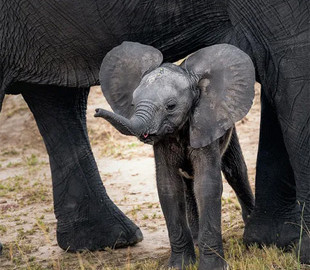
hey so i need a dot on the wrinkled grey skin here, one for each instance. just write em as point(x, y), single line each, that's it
point(188, 178)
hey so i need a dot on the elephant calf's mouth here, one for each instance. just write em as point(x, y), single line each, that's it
point(148, 138)
point(147, 141)
point(151, 138)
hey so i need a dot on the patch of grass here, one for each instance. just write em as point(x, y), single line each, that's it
point(3, 228)
point(21, 222)
point(239, 257)
point(19, 254)
point(133, 145)
point(11, 152)
point(21, 190)
point(134, 212)
point(143, 265)
point(49, 209)
point(36, 194)
point(115, 144)
point(12, 185)
point(13, 164)
point(125, 199)
point(135, 209)
point(17, 110)
point(107, 175)
point(116, 149)
point(152, 228)
point(23, 234)
point(150, 205)
point(32, 160)
point(41, 225)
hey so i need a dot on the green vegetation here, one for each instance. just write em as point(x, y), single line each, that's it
point(17, 110)
point(23, 191)
point(32, 160)
point(13, 164)
point(3, 229)
point(11, 152)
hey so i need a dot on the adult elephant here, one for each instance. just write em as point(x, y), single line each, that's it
point(51, 53)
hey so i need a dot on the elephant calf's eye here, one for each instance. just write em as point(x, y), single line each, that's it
point(170, 106)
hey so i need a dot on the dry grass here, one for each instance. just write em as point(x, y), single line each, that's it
point(237, 255)
point(20, 251)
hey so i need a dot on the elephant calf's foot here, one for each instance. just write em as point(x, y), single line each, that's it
point(109, 228)
point(283, 232)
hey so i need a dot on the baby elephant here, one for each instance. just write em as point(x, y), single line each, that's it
point(187, 113)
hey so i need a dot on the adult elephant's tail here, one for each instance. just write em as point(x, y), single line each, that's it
point(4, 85)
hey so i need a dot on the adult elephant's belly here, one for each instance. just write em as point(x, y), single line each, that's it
point(279, 33)
point(293, 87)
point(63, 42)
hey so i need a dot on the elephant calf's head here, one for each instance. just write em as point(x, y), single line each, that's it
point(212, 89)
point(162, 101)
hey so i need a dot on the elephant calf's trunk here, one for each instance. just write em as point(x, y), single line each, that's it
point(122, 124)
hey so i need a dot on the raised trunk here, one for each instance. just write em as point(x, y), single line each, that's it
point(134, 126)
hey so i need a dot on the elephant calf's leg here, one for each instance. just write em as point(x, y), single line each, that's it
point(86, 217)
point(208, 192)
point(235, 172)
point(171, 195)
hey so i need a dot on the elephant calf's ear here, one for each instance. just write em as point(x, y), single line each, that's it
point(122, 70)
point(226, 78)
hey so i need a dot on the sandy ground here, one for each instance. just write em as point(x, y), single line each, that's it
point(27, 222)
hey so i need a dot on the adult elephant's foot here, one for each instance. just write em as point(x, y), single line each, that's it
point(212, 263)
point(183, 257)
point(303, 252)
point(96, 228)
point(282, 231)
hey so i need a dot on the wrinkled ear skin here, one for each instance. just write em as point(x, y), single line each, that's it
point(122, 70)
point(226, 77)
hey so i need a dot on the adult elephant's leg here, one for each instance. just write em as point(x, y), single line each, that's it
point(293, 106)
point(275, 209)
point(171, 196)
point(86, 217)
point(236, 174)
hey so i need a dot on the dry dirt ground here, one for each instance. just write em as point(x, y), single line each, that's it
point(27, 222)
